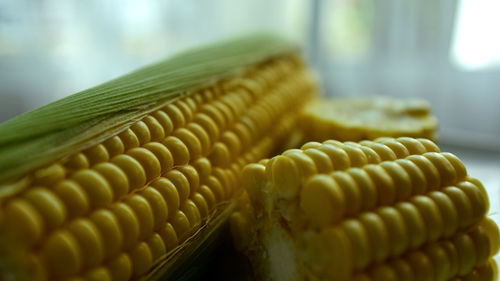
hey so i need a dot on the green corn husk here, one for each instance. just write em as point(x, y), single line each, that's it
point(51, 131)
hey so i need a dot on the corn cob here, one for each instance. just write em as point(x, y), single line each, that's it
point(487, 272)
point(124, 191)
point(389, 209)
point(358, 119)
point(464, 255)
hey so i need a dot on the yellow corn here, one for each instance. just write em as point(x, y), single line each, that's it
point(389, 209)
point(116, 208)
point(487, 272)
point(358, 119)
point(464, 255)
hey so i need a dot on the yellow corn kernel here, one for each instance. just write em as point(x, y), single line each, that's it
point(203, 168)
point(338, 262)
point(216, 188)
point(417, 177)
point(214, 114)
point(98, 274)
point(169, 236)
point(192, 213)
point(181, 225)
point(144, 214)
point(321, 160)
point(399, 149)
point(413, 215)
point(286, 178)
point(62, 254)
point(47, 204)
point(191, 142)
point(175, 114)
point(355, 154)
point(141, 258)
point(361, 251)
point(109, 228)
point(77, 161)
point(129, 139)
point(414, 222)
point(209, 196)
point(148, 161)
point(432, 218)
point(185, 109)
point(225, 111)
point(421, 265)
point(383, 272)
point(132, 168)
point(462, 205)
point(129, 224)
point(366, 186)
point(181, 183)
point(413, 146)
point(179, 150)
point(120, 268)
point(201, 205)
point(352, 193)
point(322, 200)
point(383, 151)
point(384, 183)
point(208, 124)
point(202, 136)
point(220, 155)
point(158, 206)
point(428, 169)
point(440, 261)
point(169, 193)
point(114, 146)
point(49, 175)
point(232, 142)
point(448, 211)
point(115, 176)
point(74, 197)
point(90, 241)
point(155, 128)
point(165, 121)
point(157, 247)
point(339, 157)
point(96, 187)
point(230, 180)
point(26, 223)
point(192, 177)
point(97, 154)
point(378, 235)
point(400, 178)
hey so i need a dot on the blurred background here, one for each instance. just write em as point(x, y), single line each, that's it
point(446, 51)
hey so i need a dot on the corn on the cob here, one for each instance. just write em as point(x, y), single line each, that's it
point(359, 119)
point(121, 200)
point(389, 209)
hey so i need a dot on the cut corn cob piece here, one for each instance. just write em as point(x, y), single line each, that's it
point(487, 272)
point(338, 211)
point(460, 256)
point(358, 119)
point(129, 199)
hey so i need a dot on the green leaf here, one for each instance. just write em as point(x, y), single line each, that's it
point(56, 129)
